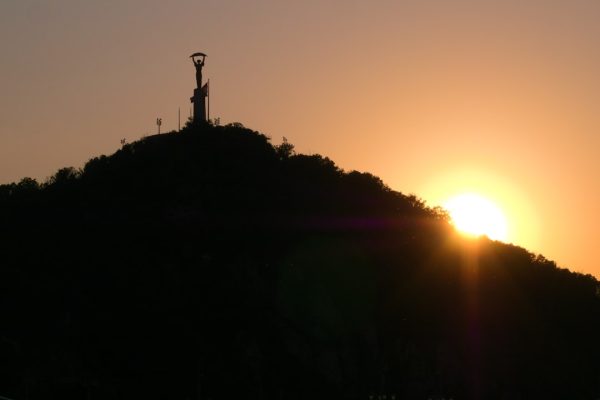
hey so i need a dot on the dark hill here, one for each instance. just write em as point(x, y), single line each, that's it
point(212, 264)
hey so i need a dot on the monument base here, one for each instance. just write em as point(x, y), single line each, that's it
point(199, 100)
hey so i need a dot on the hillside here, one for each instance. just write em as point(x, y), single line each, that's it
point(210, 264)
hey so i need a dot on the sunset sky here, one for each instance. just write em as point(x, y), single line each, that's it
point(438, 98)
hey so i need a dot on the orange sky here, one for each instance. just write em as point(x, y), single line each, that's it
point(435, 97)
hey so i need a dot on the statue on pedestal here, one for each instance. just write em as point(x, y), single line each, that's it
point(201, 91)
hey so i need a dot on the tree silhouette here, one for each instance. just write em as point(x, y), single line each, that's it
point(211, 264)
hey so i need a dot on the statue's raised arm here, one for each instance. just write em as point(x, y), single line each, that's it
point(198, 63)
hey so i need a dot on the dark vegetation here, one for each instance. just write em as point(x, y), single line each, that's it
point(212, 264)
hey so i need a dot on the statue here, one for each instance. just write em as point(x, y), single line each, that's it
point(198, 64)
point(201, 92)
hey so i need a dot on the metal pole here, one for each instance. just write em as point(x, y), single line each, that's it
point(208, 100)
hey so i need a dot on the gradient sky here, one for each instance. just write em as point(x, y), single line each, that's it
point(435, 97)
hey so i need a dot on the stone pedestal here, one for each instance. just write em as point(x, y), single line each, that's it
point(199, 100)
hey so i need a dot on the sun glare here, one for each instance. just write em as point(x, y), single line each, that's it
point(477, 216)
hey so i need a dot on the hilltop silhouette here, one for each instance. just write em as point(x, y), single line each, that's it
point(211, 264)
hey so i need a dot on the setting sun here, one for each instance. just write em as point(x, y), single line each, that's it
point(475, 215)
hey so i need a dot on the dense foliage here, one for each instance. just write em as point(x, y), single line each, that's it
point(212, 264)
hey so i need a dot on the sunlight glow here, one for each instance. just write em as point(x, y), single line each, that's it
point(475, 215)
